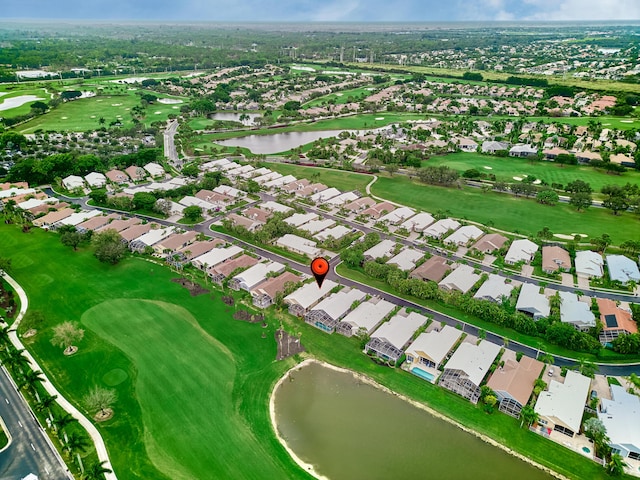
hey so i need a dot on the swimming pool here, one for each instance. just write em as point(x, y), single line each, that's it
point(423, 374)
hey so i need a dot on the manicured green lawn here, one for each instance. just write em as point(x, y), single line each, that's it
point(339, 179)
point(506, 168)
point(340, 98)
point(13, 92)
point(506, 212)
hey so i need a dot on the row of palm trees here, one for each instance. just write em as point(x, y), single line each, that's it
point(29, 380)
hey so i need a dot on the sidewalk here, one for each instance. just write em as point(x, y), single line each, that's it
point(101, 449)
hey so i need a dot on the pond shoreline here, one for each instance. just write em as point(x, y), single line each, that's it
point(310, 468)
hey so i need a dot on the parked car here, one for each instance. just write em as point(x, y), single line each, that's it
point(550, 373)
point(594, 394)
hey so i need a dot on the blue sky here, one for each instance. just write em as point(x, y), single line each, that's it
point(324, 10)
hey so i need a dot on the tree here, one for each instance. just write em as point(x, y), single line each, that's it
point(71, 239)
point(528, 415)
point(108, 246)
point(46, 403)
point(192, 213)
point(30, 379)
point(95, 471)
point(547, 197)
point(545, 234)
point(615, 466)
point(98, 196)
point(100, 398)
point(66, 334)
point(61, 422)
point(587, 368)
point(5, 265)
point(601, 243)
point(143, 201)
point(580, 200)
point(391, 168)
point(190, 170)
point(77, 444)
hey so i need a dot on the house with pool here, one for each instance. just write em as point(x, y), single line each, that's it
point(467, 367)
point(390, 339)
point(366, 317)
point(427, 352)
point(621, 418)
point(514, 381)
point(326, 314)
point(307, 296)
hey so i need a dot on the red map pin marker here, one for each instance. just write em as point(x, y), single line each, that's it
point(319, 268)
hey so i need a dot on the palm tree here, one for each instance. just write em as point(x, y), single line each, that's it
point(45, 403)
point(15, 360)
point(616, 465)
point(95, 472)
point(77, 443)
point(62, 422)
point(529, 415)
point(30, 380)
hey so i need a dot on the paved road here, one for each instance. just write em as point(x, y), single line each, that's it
point(30, 450)
point(169, 144)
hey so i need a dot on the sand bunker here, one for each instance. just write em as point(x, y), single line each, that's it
point(488, 168)
point(14, 102)
point(169, 101)
point(157, 113)
point(519, 179)
point(63, 118)
point(379, 118)
point(563, 236)
point(626, 121)
point(116, 104)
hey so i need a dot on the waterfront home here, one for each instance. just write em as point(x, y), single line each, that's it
point(366, 317)
point(326, 314)
point(432, 348)
point(390, 339)
point(621, 417)
point(307, 296)
point(513, 383)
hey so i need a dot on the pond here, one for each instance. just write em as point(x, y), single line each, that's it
point(277, 142)
point(345, 428)
point(247, 120)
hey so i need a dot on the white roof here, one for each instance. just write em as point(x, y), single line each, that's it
point(621, 417)
point(523, 148)
point(574, 311)
point(406, 259)
point(189, 201)
point(521, 250)
point(418, 222)
point(464, 235)
point(32, 202)
point(73, 181)
point(154, 169)
point(399, 330)
point(325, 195)
point(278, 182)
point(336, 232)
point(261, 171)
point(298, 219)
point(13, 191)
point(462, 278)
point(229, 191)
point(532, 301)
point(494, 288)
point(342, 198)
point(434, 345)
point(228, 166)
point(368, 315)
point(267, 177)
point(589, 263)
point(300, 244)
point(79, 217)
point(217, 255)
point(339, 303)
point(315, 226)
point(275, 206)
point(441, 227)
point(154, 236)
point(215, 164)
point(257, 274)
point(95, 179)
point(474, 360)
point(565, 401)
point(382, 249)
point(398, 215)
point(622, 269)
point(310, 293)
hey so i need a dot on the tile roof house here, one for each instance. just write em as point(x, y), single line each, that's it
point(431, 349)
point(418, 222)
point(379, 209)
point(120, 225)
point(96, 222)
point(265, 293)
point(326, 314)
point(95, 179)
point(523, 150)
point(224, 269)
point(521, 250)
point(467, 367)
point(461, 279)
point(561, 407)
point(555, 258)
point(490, 243)
point(360, 204)
point(464, 235)
point(406, 259)
point(136, 173)
point(614, 320)
point(117, 176)
point(199, 248)
point(390, 339)
point(441, 227)
point(383, 249)
point(589, 264)
point(433, 269)
point(241, 221)
point(514, 382)
point(72, 182)
point(533, 302)
point(130, 234)
point(622, 269)
point(307, 296)
point(366, 317)
point(621, 417)
point(300, 245)
point(254, 276)
point(48, 220)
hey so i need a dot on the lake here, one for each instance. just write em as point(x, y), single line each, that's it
point(348, 429)
point(277, 142)
point(235, 117)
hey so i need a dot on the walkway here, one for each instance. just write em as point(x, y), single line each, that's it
point(101, 449)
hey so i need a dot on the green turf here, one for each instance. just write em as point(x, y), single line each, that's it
point(339, 179)
point(342, 97)
point(507, 212)
point(506, 168)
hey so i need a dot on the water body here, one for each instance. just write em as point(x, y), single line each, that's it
point(277, 142)
point(235, 117)
point(348, 429)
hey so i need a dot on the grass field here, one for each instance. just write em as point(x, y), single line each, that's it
point(506, 168)
point(8, 92)
point(342, 97)
point(506, 212)
point(180, 362)
point(340, 179)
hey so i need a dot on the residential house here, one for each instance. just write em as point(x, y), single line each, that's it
point(490, 243)
point(336, 232)
point(324, 195)
point(431, 349)
point(622, 159)
point(136, 174)
point(622, 269)
point(300, 245)
point(360, 204)
point(254, 276)
point(462, 279)
point(265, 293)
point(441, 227)
point(215, 257)
point(315, 226)
point(521, 250)
point(308, 296)
point(257, 214)
point(342, 199)
point(272, 206)
point(390, 339)
point(73, 182)
point(494, 289)
point(150, 238)
point(434, 269)
point(381, 250)
point(464, 235)
point(326, 314)
point(229, 191)
point(615, 321)
point(249, 224)
point(588, 156)
point(575, 312)
point(532, 302)
point(175, 242)
point(418, 222)
point(552, 153)
point(47, 221)
point(366, 317)
point(621, 417)
point(589, 264)
point(555, 258)
point(298, 219)
point(221, 271)
point(406, 259)
point(523, 151)
point(310, 190)
point(561, 407)
point(198, 248)
point(96, 222)
point(466, 144)
point(154, 169)
point(398, 215)
point(130, 234)
point(513, 383)
point(296, 185)
point(77, 218)
point(467, 367)
point(95, 179)
point(117, 176)
point(491, 147)
point(378, 210)
point(120, 225)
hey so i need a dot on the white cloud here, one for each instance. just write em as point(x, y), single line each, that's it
point(335, 11)
point(584, 9)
